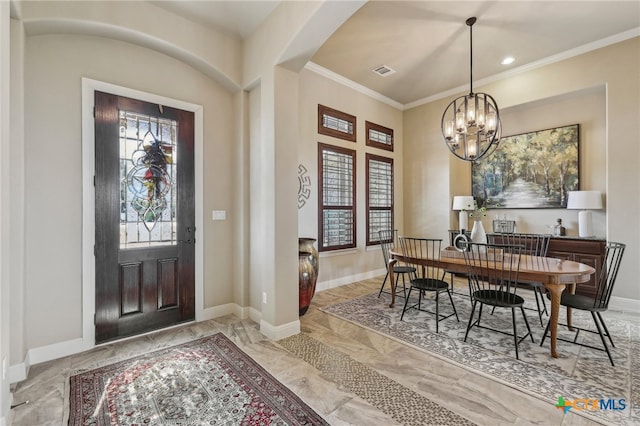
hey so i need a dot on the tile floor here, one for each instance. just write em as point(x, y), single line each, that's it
point(472, 397)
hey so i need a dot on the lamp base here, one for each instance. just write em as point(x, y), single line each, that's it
point(463, 220)
point(585, 224)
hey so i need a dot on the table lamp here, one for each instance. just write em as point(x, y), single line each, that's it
point(584, 200)
point(463, 203)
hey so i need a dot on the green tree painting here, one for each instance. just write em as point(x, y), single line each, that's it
point(530, 170)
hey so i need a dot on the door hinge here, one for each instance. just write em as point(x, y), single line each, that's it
point(94, 112)
point(95, 253)
point(94, 319)
point(94, 180)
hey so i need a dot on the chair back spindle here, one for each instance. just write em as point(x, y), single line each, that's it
point(608, 274)
point(422, 248)
point(387, 239)
point(493, 271)
point(531, 244)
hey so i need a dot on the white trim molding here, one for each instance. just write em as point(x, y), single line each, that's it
point(280, 331)
point(329, 284)
point(89, 87)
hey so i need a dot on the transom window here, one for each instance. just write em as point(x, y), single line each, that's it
point(379, 196)
point(379, 136)
point(338, 124)
point(336, 193)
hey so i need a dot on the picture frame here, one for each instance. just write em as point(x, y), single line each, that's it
point(533, 170)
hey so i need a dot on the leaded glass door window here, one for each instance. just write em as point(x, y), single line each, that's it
point(148, 163)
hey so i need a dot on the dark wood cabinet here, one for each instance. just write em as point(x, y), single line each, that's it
point(589, 251)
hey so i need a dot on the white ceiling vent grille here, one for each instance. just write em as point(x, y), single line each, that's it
point(383, 70)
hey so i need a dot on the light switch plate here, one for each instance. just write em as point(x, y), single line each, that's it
point(219, 215)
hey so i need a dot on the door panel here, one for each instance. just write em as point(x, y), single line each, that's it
point(145, 216)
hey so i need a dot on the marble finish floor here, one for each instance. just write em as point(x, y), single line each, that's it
point(474, 398)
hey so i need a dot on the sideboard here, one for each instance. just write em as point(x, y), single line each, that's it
point(589, 251)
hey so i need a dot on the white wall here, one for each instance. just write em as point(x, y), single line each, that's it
point(616, 68)
point(5, 289)
point(17, 193)
point(128, 44)
point(54, 66)
point(586, 108)
point(342, 266)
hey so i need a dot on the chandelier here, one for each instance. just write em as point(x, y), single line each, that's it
point(471, 124)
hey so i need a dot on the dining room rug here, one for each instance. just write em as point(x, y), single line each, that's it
point(579, 376)
point(205, 381)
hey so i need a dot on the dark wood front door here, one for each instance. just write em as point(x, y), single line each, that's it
point(145, 216)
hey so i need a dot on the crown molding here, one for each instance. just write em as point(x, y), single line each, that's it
point(598, 44)
point(312, 66)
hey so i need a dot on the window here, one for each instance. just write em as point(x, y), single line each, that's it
point(336, 123)
point(379, 136)
point(379, 196)
point(148, 188)
point(337, 201)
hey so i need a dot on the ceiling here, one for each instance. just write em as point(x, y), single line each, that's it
point(426, 43)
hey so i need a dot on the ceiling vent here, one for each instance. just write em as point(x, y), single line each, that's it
point(383, 70)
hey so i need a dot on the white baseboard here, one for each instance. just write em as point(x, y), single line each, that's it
point(326, 285)
point(280, 331)
point(255, 315)
point(624, 305)
point(226, 309)
point(8, 419)
point(19, 372)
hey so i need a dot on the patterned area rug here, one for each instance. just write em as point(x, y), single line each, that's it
point(579, 373)
point(206, 381)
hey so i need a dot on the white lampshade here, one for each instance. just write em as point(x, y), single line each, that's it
point(463, 203)
point(585, 200)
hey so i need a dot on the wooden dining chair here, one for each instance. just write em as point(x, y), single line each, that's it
point(532, 245)
point(427, 278)
point(493, 276)
point(598, 304)
point(388, 241)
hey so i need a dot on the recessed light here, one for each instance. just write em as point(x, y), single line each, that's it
point(508, 60)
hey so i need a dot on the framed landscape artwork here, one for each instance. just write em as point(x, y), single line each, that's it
point(532, 170)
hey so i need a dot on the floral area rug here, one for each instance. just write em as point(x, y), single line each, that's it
point(206, 381)
point(578, 374)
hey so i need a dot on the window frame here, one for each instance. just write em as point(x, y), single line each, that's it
point(368, 158)
point(382, 129)
point(322, 110)
point(321, 206)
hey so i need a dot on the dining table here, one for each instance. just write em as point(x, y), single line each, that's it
point(555, 274)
